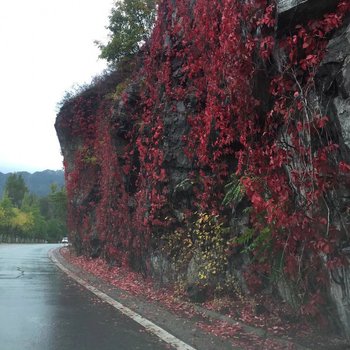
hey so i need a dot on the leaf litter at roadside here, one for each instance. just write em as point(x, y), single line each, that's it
point(135, 284)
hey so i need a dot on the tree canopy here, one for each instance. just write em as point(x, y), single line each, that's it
point(130, 24)
point(23, 214)
point(15, 189)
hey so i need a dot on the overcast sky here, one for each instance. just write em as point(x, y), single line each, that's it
point(47, 46)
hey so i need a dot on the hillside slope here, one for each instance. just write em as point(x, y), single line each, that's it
point(38, 182)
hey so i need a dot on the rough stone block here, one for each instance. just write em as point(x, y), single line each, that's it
point(286, 5)
point(291, 12)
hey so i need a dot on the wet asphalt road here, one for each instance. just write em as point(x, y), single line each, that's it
point(42, 309)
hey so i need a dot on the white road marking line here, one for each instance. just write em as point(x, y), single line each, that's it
point(147, 324)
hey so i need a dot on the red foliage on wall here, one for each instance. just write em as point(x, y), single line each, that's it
point(211, 57)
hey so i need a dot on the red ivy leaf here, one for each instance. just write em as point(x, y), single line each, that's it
point(344, 167)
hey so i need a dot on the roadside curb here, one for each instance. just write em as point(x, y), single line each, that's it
point(193, 337)
point(250, 329)
point(179, 327)
point(148, 325)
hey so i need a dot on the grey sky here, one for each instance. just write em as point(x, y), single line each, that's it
point(47, 46)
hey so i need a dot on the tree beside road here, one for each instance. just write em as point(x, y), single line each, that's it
point(25, 216)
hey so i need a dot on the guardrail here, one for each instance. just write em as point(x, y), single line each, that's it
point(16, 239)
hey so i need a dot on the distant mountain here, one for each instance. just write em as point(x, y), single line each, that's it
point(38, 182)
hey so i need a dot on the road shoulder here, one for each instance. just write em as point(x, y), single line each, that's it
point(185, 328)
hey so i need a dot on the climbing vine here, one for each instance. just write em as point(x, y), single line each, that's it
point(253, 134)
